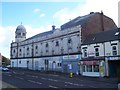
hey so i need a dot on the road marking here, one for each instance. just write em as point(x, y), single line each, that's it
point(14, 72)
point(19, 78)
point(53, 75)
point(9, 75)
point(69, 83)
point(76, 84)
point(18, 73)
point(52, 86)
point(34, 82)
point(35, 76)
point(55, 80)
point(65, 85)
point(81, 85)
point(44, 78)
point(52, 80)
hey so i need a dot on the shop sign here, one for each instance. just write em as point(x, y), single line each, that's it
point(112, 58)
point(70, 57)
point(90, 62)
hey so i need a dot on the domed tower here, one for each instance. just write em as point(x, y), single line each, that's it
point(20, 33)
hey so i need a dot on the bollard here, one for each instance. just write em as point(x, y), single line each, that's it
point(118, 86)
point(71, 74)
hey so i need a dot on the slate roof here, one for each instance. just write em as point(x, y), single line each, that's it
point(81, 20)
point(102, 37)
point(77, 21)
point(41, 34)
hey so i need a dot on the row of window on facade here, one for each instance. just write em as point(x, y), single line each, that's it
point(21, 34)
point(97, 51)
point(46, 63)
point(47, 45)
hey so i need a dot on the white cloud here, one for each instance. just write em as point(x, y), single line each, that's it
point(42, 15)
point(7, 35)
point(109, 8)
point(36, 10)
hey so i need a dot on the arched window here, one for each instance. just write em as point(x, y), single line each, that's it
point(69, 40)
point(14, 51)
point(20, 50)
point(57, 43)
point(23, 34)
point(36, 47)
point(27, 48)
point(46, 44)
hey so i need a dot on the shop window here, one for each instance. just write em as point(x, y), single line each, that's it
point(114, 50)
point(96, 68)
point(89, 68)
point(83, 68)
point(96, 51)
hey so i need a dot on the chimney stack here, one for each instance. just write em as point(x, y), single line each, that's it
point(53, 27)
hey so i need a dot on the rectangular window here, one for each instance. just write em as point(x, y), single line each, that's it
point(114, 50)
point(59, 64)
point(57, 43)
point(85, 52)
point(89, 68)
point(96, 68)
point(19, 62)
point(96, 51)
point(83, 68)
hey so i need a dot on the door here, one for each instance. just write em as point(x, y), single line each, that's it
point(65, 68)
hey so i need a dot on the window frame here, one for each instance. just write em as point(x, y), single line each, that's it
point(114, 51)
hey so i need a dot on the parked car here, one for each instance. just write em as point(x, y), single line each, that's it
point(4, 68)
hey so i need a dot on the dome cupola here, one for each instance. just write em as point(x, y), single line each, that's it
point(20, 33)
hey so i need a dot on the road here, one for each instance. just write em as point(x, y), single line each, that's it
point(32, 79)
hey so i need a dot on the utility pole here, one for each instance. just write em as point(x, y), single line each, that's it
point(32, 55)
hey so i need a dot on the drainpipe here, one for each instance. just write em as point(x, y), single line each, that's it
point(17, 55)
point(105, 62)
point(32, 56)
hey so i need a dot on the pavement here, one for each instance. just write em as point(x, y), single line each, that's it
point(6, 85)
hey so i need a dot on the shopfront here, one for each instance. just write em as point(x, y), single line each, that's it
point(92, 68)
point(70, 63)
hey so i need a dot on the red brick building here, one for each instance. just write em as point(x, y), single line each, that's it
point(91, 23)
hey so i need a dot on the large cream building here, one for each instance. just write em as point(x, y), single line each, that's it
point(58, 49)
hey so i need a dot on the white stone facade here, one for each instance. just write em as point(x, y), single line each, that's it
point(32, 53)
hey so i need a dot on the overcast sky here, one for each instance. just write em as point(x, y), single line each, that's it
point(39, 16)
